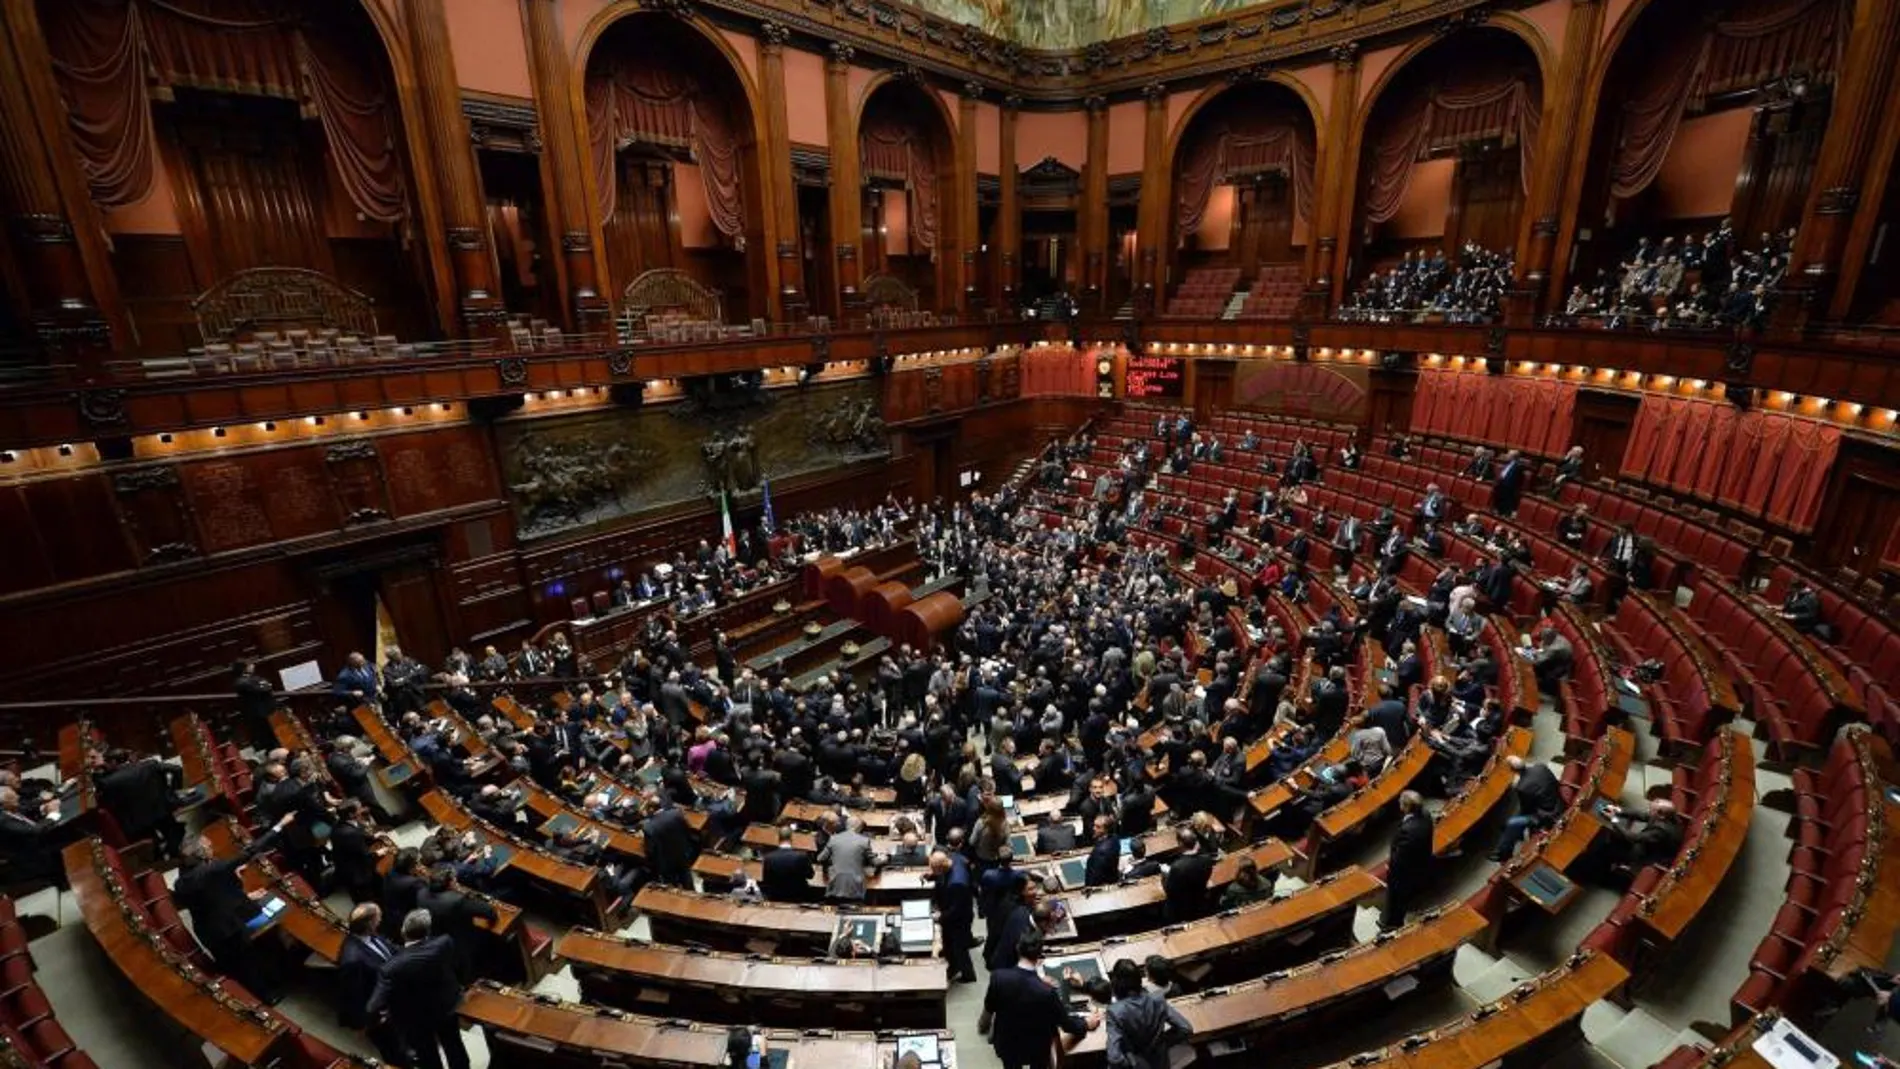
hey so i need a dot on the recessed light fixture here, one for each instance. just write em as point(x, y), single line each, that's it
point(314, 421)
point(217, 432)
point(443, 407)
point(65, 450)
point(267, 426)
point(362, 416)
point(165, 438)
point(8, 457)
point(408, 411)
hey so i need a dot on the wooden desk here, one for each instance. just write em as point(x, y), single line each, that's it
point(577, 885)
point(1481, 793)
point(747, 989)
point(527, 1032)
point(679, 916)
point(887, 886)
point(305, 918)
point(1126, 907)
point(1352, 815)
point(198, 1002)
point(404, 771)
point(1244, 942)
point(1267, 1005)
point(1519, 1026)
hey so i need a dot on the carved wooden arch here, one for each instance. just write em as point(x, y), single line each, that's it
point(1209, 94)
point(950, 207)
point(888, 291)
point(668, 289)
point(277, 298)
point(763, 179)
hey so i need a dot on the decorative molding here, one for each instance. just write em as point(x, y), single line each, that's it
point(933, 389)
point(1838, 200)
point(103, 407)
point(774, 36)
point(620, 363)
point(1095, 104)
point(841, 54)
point(502, 125)
point(1013, 102)
point(820, 348)
point(512, 370)
point(1741, 357)
point(42, 228)
point(141, 479)
point(681, 8)
point(847, 251)
point(356, 449)
point(466, 239)
point(973, 90)
point(1544, 226)
point(1156, 94)
point(577, 241)
point(1494, 341)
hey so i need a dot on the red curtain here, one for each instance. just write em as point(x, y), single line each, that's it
point(1277, 143)
point(1505, 106)
point(1762, 463)
point(113, 58)
point(1761, 41)
point(654, 104)
point(1534, 415)
point(891, 147)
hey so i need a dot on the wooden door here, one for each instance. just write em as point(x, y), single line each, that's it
point(410, 593)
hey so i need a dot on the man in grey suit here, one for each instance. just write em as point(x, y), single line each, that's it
point(673, 702)
point(847, 861)
point(1552, 661)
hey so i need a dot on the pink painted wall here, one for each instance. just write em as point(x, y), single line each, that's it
point(1062, 134)
point(156, 214)
point(1371, 66)
point(896, 223)
point(952, 107)
point(1178, 105)
point(1613, 14)
point(1427, 202)
point(989, 138)
point(575, 15)
point(1215, 234)
point(747, 49)
point(857, 79)
point(1552, 19)
point(1127, 136)
point(805, 98)
point(1697, 179)
point(1318, 80)
point(696, 225)
point(491, 55)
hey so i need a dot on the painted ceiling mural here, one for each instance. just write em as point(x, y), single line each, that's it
point(1073, 24)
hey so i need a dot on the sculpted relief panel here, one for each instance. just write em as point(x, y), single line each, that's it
point(572, 472)
point(1073, 24)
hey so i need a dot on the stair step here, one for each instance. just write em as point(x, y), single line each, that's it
point(1638, 1040)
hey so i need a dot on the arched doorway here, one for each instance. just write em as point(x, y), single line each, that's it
point(1242, 202)
point(675, 175)
point(1444, 164)
point(223, 137)
point(1707, 124)
point(908, 159)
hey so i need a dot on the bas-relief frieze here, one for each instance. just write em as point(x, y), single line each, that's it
point(1071, 24)
point(569, 472)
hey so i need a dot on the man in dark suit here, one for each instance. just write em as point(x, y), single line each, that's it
point(1104, 866)
point(255, 701)
point(1410, 863)
point(1553, 660)
point(953, 892)
point(138, 793)
point(402, 887)
point(211, 890)
point(417, 992)
point(669, 844)
point(1025, 1012)
point(1509, 487)
point(1009, 921)
point(1185, 885)
point(785, 873)
point(359, 963)
point(1539, 800)
point(454, 914)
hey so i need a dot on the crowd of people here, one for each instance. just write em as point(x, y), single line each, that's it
point(1424, 284)
point(1091, 665)
point(1699, 282)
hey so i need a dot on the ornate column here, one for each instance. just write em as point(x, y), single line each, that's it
point(66, 291)
point(967, 297)
point(1539, 224)
point(564, 166)
point(1331, 221)
point(1151, 228)
point(1094, 221)
point(475, 300)
point(1009, 215)
point(847, 212)
point(773, 37)
point(1839, 194)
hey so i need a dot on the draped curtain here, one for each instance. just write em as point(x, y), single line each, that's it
point(1505, 107)
point(1765, 464)
point(1232, 149)
point(113, 58)
point(1534, 415)
point(656, 104)
point(894, 149)
point(1759, 42)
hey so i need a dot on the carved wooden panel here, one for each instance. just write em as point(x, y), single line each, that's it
point(228, 503)
point(357, 480)
point(297, 494)
point(151, 504)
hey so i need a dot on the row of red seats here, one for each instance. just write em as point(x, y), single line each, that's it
point(149, 905)
point(1772, 669)
point(1702, 793)
point(1836, 858)
point(1862, 640)
point(1686, 709)
point(28, 1029)
point(1325, 438)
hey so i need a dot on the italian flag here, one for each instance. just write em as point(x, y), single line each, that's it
point(725, 525)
